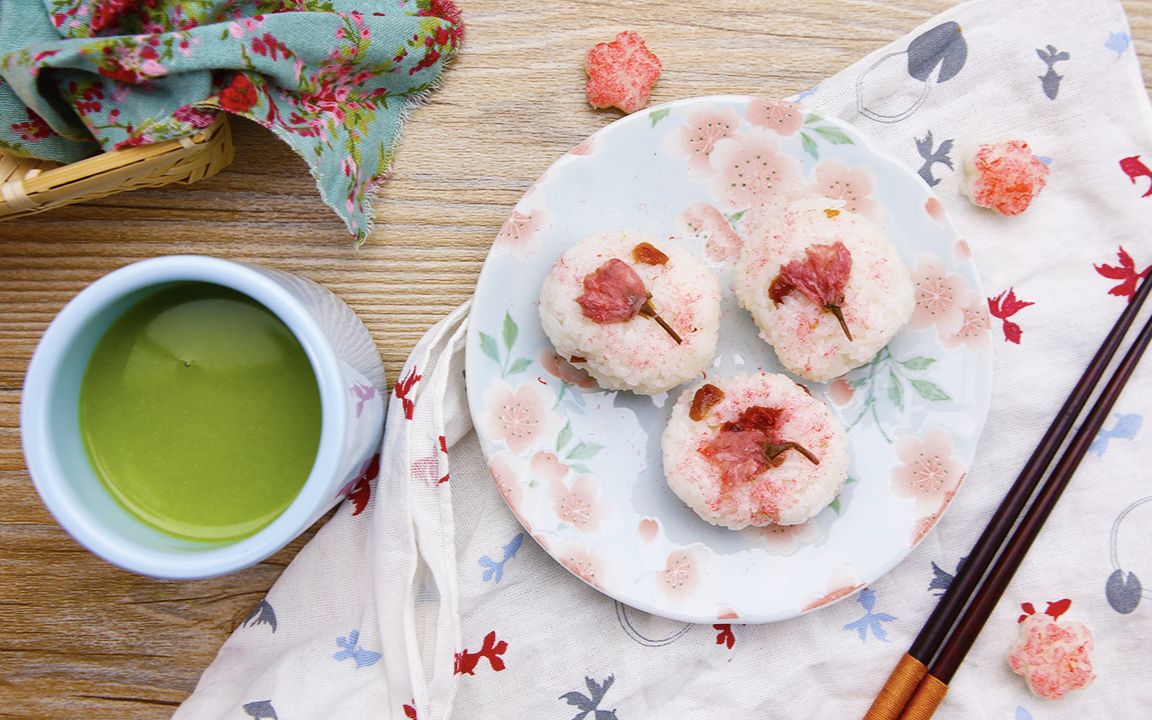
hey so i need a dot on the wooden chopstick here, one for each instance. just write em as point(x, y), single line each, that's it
point(913, 665)
point(934, 685)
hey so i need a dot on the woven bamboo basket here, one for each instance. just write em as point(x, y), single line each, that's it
point(30, 186)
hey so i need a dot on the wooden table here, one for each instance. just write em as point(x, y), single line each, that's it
point(82, 639)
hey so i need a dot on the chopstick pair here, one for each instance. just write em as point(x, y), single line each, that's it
point(920, 680)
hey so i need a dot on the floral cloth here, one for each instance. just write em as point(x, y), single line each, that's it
point(332, 78)
point(459, 612)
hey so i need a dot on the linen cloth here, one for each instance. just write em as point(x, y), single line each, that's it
point(376, 612)
point(332, 78)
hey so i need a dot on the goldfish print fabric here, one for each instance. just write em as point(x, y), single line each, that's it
point(332, 78)
point(534, 641)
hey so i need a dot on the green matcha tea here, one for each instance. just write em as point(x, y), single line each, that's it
point(200, 413)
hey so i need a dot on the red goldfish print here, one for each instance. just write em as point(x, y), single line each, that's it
point(362, 491)
point(1125, 272)
point(1134, 168)
point(1004, 306)
point(466, 661)
point(403, 388)
point(725, 636)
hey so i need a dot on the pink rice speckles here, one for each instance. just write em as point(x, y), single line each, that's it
point(1005, 177)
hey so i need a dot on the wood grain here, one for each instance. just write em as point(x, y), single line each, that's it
point(82, 639)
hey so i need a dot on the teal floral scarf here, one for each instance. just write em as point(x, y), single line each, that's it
point(332, 78)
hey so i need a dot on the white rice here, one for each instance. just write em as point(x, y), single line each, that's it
point(878, 298)
point(638, 354)
point(788, 494)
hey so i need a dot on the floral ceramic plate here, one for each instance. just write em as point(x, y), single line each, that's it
point(581, 467)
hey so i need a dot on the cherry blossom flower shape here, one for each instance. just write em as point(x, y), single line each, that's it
point(681, 573)
point(519, 416)
point(840, 391)
point(938, 295)
point(508, 470)
point(928, 471)
point(648, 529)
point(1005, 177)
point(779, 116)
point(564, 371)
point(519, 232)
point(975, 325)
point(787, 539)
point(1054, 657)
point(577, 505)
point(697, 138)
point(835, 180)
point(621, 73)
point(723, 243)
point(588, 565)
point(613, 293)
point(752, 172)
point(547, 466)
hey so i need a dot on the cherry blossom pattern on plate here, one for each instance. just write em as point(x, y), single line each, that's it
point(928, 471)
point(681, 573)
point(938, 295)
point(852, 185)
point(520, 233)
point(840, 585)
point(568, 374)
point(975, 324)
point(722, 242)
point(509, 332)
point(508, 471)
point(753, 174)
point(588, 565)
point(578, 504)
point(519, 416)
point(935, 209)
point(783, 540)
point(697, 137)
point(886, 379)
point(648, 529)
point(779, 116)
point(925, 524)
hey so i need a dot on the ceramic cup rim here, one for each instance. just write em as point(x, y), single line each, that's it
point(51, 478)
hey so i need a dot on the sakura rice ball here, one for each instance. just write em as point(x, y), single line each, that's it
point(754, 449)
point(635, 316)
point(826, 288)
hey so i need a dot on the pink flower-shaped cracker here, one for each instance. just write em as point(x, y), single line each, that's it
point(780, 116)
point(1054, 657)
point(621, 73)
point(519, 416)
point(835, 180)
point(927, 471)
point(1004, 177)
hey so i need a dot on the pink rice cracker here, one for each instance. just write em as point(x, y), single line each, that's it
point(1005, 177)
point(621, 73)
point(1053, 656)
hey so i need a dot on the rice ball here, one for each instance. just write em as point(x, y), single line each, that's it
point(755, 449)
point(826, 288)
point(633, 315)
